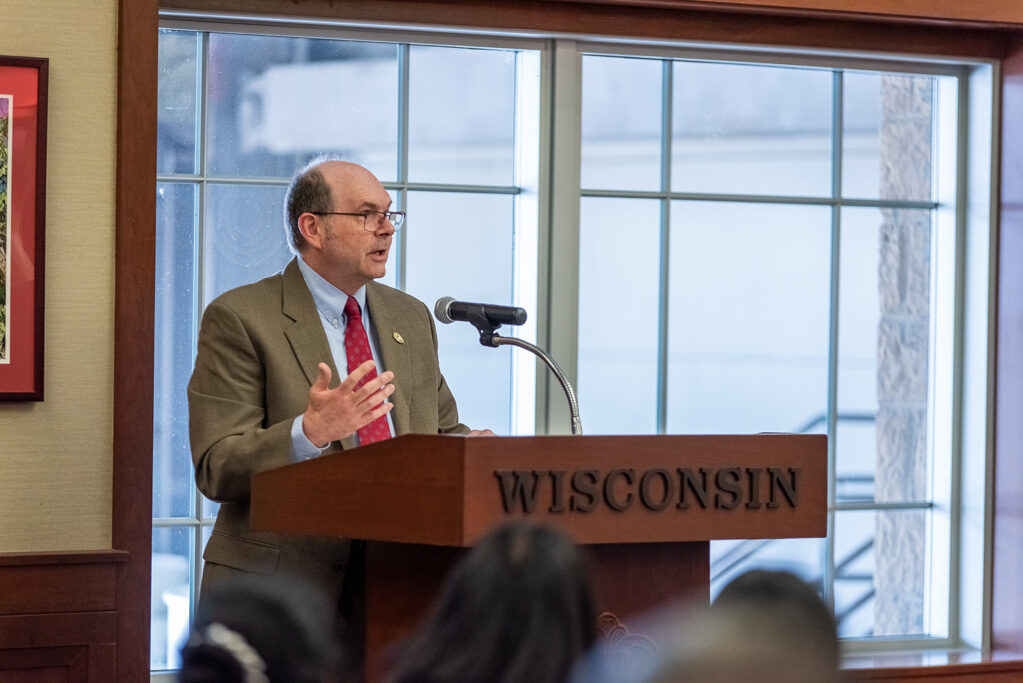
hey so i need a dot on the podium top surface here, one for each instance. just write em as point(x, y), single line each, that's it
point(449, 490)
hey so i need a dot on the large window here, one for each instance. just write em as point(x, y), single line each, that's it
point(755, 242)
point(782, 266)
point(776, 240)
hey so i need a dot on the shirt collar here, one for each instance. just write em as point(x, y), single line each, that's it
point(330, 301)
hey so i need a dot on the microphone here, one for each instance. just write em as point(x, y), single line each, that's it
point(447, 310)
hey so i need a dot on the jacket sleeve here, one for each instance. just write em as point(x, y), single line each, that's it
point(227, 412)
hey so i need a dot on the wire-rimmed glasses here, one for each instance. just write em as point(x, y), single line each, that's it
point(371, 220)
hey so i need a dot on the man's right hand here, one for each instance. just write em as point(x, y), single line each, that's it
point(333, 414)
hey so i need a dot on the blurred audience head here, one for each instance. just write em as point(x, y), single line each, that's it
point(517, 608)
point(259, 629)
point(764, 626)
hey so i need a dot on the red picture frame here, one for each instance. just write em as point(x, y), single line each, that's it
point(23, 83)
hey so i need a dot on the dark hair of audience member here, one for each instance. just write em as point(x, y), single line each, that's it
point(517, 608)
point(265, 629)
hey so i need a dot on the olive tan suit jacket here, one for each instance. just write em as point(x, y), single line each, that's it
point(258, 349)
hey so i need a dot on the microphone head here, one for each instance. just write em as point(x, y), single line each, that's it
point(440, 309)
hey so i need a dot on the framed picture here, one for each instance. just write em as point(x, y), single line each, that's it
point(22, 221)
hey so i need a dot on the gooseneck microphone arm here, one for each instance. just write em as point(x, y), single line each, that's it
point(566, 386)
point(486, 318)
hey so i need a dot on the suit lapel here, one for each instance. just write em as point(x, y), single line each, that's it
point(394, 354)
point(305, 335)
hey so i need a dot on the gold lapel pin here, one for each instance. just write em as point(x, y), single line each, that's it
point(398, 338)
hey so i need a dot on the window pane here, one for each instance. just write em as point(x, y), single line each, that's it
point(880, 572)
point(751, 129)
point(177, 107)
point(209, 507)
point(748, 329)
point(461, 115)
point(274, 102)
point(887, 137)
point(858, 318)
point(447, 258)
point(621, 123)
point(244, 237)
point(170, 596)
point(883, 364)
point(800, 556)
point(174, 349)
point(207, 529)
point(618, 331)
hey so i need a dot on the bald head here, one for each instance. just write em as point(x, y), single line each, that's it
point(319, 186)
point(350, 183)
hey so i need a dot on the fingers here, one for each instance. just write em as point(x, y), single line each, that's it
point(370, 394)
point(481, 432)
point(356, 375)
point(333, 414)
point(322, 377)
point(375, 390)
point(366, 397)
point(380, 410)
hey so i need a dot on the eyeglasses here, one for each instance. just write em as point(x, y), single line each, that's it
point(371, 220)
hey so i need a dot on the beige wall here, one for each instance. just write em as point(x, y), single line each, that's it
point(55, 456)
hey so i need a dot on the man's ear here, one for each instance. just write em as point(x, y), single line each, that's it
point(311, 229)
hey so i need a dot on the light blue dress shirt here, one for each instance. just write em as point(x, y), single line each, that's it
point(330, 302)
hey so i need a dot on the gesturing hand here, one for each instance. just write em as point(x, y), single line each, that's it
point(333, 414)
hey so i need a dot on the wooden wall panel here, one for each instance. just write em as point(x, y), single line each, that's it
point(58, 617)
point(42, 665)
point(57, 589)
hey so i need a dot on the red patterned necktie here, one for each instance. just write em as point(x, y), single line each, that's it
point(358, 352)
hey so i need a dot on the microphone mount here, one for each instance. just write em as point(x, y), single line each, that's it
point(487, 326)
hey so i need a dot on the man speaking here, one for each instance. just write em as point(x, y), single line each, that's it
point(312, 360)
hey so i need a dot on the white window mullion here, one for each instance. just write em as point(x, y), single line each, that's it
point(667, 87)
point(404, 59)
point(560, 319)
point(531, 95)
point(828, 576)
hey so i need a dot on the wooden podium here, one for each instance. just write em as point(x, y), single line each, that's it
point(646, 507)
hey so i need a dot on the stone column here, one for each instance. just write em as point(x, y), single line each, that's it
point(902, 346)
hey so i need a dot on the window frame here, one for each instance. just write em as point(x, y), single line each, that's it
point(557, 288)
